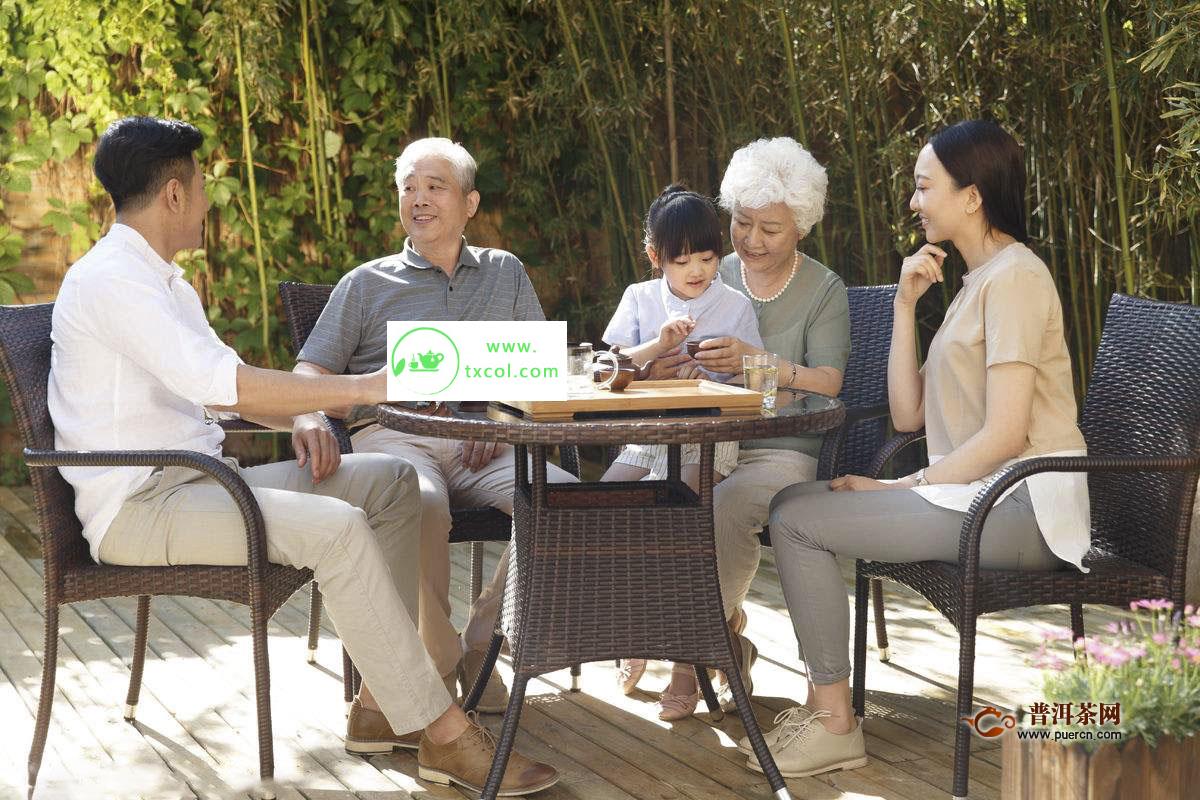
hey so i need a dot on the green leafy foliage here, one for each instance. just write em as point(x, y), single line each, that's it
point(563, 104)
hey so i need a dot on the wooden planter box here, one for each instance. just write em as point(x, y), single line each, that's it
point(1129, 771)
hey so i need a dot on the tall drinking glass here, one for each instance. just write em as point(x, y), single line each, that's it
point(579, 370)
point(762, 375)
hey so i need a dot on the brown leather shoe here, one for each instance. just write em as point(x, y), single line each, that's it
point(368, 733)
point(467, 759)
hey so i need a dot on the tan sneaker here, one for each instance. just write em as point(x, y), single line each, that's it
point(368, 733)
point(467, 759)
point(784, 721)
point(494, 699)
point(807, 748)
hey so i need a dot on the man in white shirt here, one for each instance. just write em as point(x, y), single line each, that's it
point(135, 366)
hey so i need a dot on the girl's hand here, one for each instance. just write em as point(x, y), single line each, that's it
point(857, 483)
point(918, 272)
point(724, 354)
point(674, 331)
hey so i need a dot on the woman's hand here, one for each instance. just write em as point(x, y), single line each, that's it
point(858, 483)
point(724, 354)
point(666, 367)
point(918, 272)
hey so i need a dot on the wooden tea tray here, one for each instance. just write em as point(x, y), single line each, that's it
point(652, 398)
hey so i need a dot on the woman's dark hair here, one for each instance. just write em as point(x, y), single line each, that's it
point(680, 222)
point(981, 153)
point(136, 156)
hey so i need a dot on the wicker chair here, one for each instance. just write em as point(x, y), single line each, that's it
point(1141, 420)
point(851, 447)
point(70, 574)
point(303, 304)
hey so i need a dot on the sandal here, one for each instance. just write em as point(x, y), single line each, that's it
point(673, 707)
point(629, 673)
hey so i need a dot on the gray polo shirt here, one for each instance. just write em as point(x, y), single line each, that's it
point(489, 285)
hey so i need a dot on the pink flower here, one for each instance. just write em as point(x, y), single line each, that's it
point(1174, 663)
point(1194, 620)
point(1152, 605)
point(1161, 638)
point(1057, 635)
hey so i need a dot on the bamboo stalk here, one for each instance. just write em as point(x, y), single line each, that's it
point(601, 142)
point(672, 138)
point(618, 75)
point(313, 126)
point(248, 153)
point(1114, 108)
point(860, 191)
point(447, 127)
point(785, 31)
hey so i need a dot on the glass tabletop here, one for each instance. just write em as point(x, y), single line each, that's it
point(796, 412)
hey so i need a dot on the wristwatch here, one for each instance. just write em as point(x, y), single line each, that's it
point(921, 478)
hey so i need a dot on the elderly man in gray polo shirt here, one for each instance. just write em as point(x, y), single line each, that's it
point(436, 277)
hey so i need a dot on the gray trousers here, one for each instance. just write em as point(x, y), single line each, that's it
point(811, 526)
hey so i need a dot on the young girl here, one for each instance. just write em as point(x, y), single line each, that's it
point(655, 317)
point(689, 302)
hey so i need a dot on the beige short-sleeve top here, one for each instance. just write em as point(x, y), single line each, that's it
point(1008, 310)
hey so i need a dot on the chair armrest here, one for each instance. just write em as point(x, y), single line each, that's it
point(241, 426)
point(222, 473)
point(829, 461)
point(981, 506)
point(340, 432)
point(891, 448)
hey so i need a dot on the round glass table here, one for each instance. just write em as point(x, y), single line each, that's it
point(606, 570)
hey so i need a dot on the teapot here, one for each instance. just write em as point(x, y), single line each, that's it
point(619, 370)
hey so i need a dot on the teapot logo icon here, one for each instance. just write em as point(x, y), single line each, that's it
point(425, 359)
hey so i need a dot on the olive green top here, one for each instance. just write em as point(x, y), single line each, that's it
point(809, 324)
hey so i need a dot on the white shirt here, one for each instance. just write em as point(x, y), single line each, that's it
point(132, 366)
point(719, 311)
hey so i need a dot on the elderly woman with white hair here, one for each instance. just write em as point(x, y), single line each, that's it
point(774, 191)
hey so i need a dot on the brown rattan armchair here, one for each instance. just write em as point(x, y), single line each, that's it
point(70, 575)
point(302, 305)
point(1141, 419)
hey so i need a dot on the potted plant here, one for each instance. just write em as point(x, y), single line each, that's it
point(1120, 720)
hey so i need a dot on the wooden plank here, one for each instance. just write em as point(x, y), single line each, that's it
point(99, 739)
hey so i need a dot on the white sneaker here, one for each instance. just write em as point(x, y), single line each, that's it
point(784, 721)
point(808, 749)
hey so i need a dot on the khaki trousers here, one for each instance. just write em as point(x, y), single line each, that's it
point(741, 506)
point(445, 482)
point(348, 530)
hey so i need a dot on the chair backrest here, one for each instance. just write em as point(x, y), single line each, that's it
point(1144, 400)
point(25, 363)
point(303, 304)
point(865, 379)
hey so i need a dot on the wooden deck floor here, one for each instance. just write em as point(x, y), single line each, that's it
point(195, 735)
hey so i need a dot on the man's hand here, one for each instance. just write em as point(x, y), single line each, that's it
point(315, 446)
point(858, 483)
point(724, 354)
point(477, 455)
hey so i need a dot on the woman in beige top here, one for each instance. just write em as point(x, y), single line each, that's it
point(996, 387)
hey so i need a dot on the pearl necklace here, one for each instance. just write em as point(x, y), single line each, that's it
point(756, 298)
